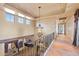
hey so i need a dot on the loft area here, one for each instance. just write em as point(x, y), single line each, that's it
point(27, 30)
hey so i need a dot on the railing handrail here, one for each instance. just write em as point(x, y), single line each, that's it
point(13, 39)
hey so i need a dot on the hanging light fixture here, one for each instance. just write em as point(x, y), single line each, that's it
point(39, 25)
point(39, 34)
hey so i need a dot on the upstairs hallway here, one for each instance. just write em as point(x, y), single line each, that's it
point(62, 47)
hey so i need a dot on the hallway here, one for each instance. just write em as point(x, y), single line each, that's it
point(62, 47)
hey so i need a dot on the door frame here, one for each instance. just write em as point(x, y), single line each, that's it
point(64, 28)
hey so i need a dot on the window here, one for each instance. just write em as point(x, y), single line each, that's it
point(20, 20)
point(9, 17)
point(28, 21)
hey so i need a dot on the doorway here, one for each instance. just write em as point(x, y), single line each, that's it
point(61, 28)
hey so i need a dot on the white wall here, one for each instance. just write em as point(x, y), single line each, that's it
point(49, 25)
point(70, 28)
point(9, 30)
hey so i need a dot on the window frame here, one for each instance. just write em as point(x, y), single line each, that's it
point(10, 14)
point(26, 21)
point(23, 18)
point(16, 18)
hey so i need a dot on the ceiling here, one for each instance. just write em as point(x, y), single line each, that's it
point(47, 9)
